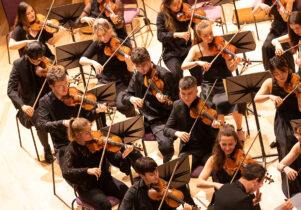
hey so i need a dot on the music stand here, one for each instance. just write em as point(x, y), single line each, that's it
point(296, 199)
point(182, 173)
point(104, 92)
point(68, 55)
point(242, 89)
point(67, 15)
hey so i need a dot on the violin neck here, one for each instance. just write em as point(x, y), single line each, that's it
point(229, 52)
point(281, 7)
point(200, 17)
point(121, 52)
point(52, 25)
point(112, 143)
point(154, 86)
point(109, 9)
point(208, 116)
point(170, 196)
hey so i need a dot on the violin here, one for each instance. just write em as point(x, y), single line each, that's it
point(51, 26)
point(157, 85)
point(121, 52)
point(208, 115)
point(198, 15)
point(114, 143)
point(110, 9)
point(75, 97)
point(284, 8)
point(294, 83)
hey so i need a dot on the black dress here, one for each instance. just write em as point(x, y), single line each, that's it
point(218, 99)
point(285, 135)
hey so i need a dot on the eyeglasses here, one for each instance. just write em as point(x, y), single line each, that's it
point(40, 59)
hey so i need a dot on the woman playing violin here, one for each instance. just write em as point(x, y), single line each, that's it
point(274, 89)
point(116, 70)
point(202, 54)
point(226, 145)
point(80, 167)
point(24, 34)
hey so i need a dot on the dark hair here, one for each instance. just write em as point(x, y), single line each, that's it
point(187, 82)
point(21, 18)
point(279, 62)
point(55, 74)
point(294, 18)
point(35, 50)
point(140, 55)
point(217, 152)
point(169, 19)
point(144, 165)
point(253, 171)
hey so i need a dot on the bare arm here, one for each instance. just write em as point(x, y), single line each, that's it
point(264, 92)
point(15, 45)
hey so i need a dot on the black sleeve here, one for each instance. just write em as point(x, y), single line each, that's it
point(116, 160)
point(162, 33)
point(12, 87)
point(91, 51)
point(171, 124)
point(18, 33)
point(91, 115)
point(46, 36)
point(128, 200)
point(169, 85)
point(130, 91)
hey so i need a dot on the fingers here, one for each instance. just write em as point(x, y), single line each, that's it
point(278, 101)
point(185, 137)
point(279, 51)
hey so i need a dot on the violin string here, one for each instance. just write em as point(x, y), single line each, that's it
point(44, 24)
point(199, 113)
point(241, 162)
point(169, 182)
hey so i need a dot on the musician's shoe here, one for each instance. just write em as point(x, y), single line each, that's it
point(48, 155)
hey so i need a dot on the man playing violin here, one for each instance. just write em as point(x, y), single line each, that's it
point(154, 108)
point(136, 197)
point(200, 142)
point(24, 85)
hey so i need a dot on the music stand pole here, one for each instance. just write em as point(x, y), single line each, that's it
point(236, 14)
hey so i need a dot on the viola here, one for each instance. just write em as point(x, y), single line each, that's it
point(157, 85)
point(293, 82)
point(51, 26)
point(110, 9)
point(75, 97)
point(207, 116)
point(114, 143)
point(198, 15)
point(121, 52)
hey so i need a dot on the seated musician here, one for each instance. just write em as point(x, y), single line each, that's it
point(227, 145)
point(24, 85)
point(54, 114)
point(115, 70)
point(200, 142)
point(155, 107)
point(92, 11)
point(81, 167)
point(136, 197)
point(240, 194)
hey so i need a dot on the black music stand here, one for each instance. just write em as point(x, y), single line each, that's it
point(104, 92)
point(182, 173)
point(242, 89)
point(68, 55)
point(67, 15)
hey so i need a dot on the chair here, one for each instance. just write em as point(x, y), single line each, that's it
point(33, 138)
point(131, 11)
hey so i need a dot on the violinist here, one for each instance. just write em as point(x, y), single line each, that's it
point(116, 70)
point(154, 107)
point(278, 29)
point(293, 37)
point(202, 54)
point(136, 197)
point(24, 34)
point(274, 89)
point(54, 114)
point(200, 142)
point(175, 38)
point(24, 85)
point(226, 146)
point(92, 11)
point(81, 167)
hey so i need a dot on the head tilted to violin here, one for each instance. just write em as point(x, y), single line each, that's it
point(226, 143)
point(79, 130)
point(103, 30)
point(34, 51)
point(25, 14)
point(57, 80)
point(294, 28)
point(188, 89)
point(280, 69)
point(141, 59)
point(204, 31)
point(146, 167)
point(169, 8)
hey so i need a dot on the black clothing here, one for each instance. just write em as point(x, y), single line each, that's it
point(278, 28)
point(19, 34)
point(23, 88)
point(223, 177)
point(233, 197)
point(53, 111)
point(202, 136)
point(218, 99)
point(284, 133)
point(77, 160)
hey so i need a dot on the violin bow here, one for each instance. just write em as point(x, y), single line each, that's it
point(44, 24)
point(169, 182)
point(190, 22)
point(297, 45)
point(291, 92)
point(241, 162)
point(196, 119)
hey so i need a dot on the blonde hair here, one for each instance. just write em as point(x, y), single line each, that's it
point(76, 125)
point(199, 27)
point(103, 24)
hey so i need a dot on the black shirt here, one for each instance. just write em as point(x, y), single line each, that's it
point(136, 198)
point(19, 34)
point(115, 70)
point(53, 111)
point(202, 136)
point(152, 110)
point(173, 47)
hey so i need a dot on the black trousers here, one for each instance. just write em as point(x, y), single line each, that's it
point(199, 158)
point(97, 196)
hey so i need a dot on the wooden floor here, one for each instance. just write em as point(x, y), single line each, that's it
point(27, 184)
